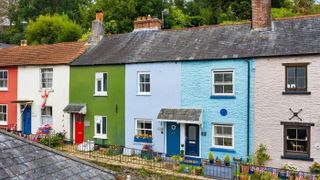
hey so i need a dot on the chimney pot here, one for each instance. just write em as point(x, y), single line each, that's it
point(147, 23)
point(23, 42)
point(99, 16)
point(261, 15)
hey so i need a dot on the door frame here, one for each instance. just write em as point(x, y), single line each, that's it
point(74, 125)
point(199, 139)
point(23, 107)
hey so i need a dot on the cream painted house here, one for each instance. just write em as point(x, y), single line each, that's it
point(287, 109)
point(43, 79)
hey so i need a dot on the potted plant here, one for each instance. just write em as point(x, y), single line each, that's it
point(218, 161)
point(146, 152)
point(198, 170)
point(315, 168)
point(243, 176)
point(227, 160)
point(292, 168)
point(176, 159)
point(211, 157)
point(261, 155)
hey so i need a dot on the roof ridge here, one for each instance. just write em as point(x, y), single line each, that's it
point(57, 152)
point(309, 16)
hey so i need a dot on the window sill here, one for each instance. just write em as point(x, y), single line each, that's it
point(223, 97)
point(101, 95)
point(302, 158)
point(4, 89)
point(100, 137)
point(296, 93)
point(44, 89)
point(142, 143)
point(144, 94)
point(231, 150)
point(3, 123)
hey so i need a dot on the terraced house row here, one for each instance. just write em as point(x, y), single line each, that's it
point(222, 89)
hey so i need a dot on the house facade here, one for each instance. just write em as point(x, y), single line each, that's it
point(99, 91)
point(286, 114)
point(150, 87)
point(38, 85)
point(223, 90)
point(8, 93)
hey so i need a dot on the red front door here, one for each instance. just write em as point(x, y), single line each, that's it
point(79, 131)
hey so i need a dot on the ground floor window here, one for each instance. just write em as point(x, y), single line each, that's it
point(296, 141)
point(100, 127)
point(143, 131)
point(222, 135)
point(46, 115)
point(3, 114)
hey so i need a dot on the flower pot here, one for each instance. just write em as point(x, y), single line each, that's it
point(244, 177)
point(227, 163)
point(282, 174)
point(211, 161)
point(193, 172)
point(244, 169)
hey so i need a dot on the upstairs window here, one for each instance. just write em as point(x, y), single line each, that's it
point(296, 77)
point(101, 84)
point(222, 83)
point(46, 78)
point(46, 115)
point(100, 127)
point(143, 83)
point(3, 114)
point(3, 80)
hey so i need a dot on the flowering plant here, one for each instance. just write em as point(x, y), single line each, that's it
point(290, 167)
point(147, 147)
point(143, 136)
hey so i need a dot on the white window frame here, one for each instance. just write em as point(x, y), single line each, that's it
point(101, 135)
point(99, 77)
point(4, 88)
point(47, 116)
point(41, 85)
point(144, 121)
point(222, 136)
point(138, 83)
point(6, 120)
point(213, 82)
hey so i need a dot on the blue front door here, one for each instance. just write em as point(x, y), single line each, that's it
point(192, 140)
point(26, 120)
point(173, 138)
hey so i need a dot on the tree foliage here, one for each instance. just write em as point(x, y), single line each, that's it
point(52, 29)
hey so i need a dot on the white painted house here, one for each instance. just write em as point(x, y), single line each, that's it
point(43, 86)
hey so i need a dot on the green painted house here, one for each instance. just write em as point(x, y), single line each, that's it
point(97, 96)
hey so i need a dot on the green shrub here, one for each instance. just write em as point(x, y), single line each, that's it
point(52, 141)
point(261, 155)
point(211, 156)
point(315, 168)
point(227, 159)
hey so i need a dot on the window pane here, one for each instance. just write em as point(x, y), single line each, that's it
point(300, 82)
point(218, 88)
point(218, 77)
point(147, 78)
point(301, 71)
point(291, 72)
point(218, 141)
point(99, 85)
point(227, 131)
point(290, 145)
point(302, 134)
point(228, 77)
point(147, 88)
point(227, 141)
point(301, 146)
point(104, 125)
point(142, 78)
point(148, 125)
point(228, 89)
point(98, 126)
point(139, 125)
point(218, 130)
point(149, 132)
point(105, 80)
point(192, 133)
point(291, 133)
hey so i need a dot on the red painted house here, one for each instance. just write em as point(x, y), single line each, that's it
point(8, 93)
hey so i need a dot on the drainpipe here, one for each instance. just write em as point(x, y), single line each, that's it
point(248, 109)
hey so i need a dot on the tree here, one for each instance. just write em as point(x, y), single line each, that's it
point(52, 29)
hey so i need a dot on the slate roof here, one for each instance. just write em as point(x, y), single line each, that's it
point(4, 45)
point(185, 115)
point(292, 36)
point(21, 159)
point(53, 54)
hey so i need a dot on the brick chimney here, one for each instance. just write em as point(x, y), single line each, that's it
point(147, 23)
point(97, 28)
point(261, 15)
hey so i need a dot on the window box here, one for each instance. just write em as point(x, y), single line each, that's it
point(218, 171)
point(142, 139)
